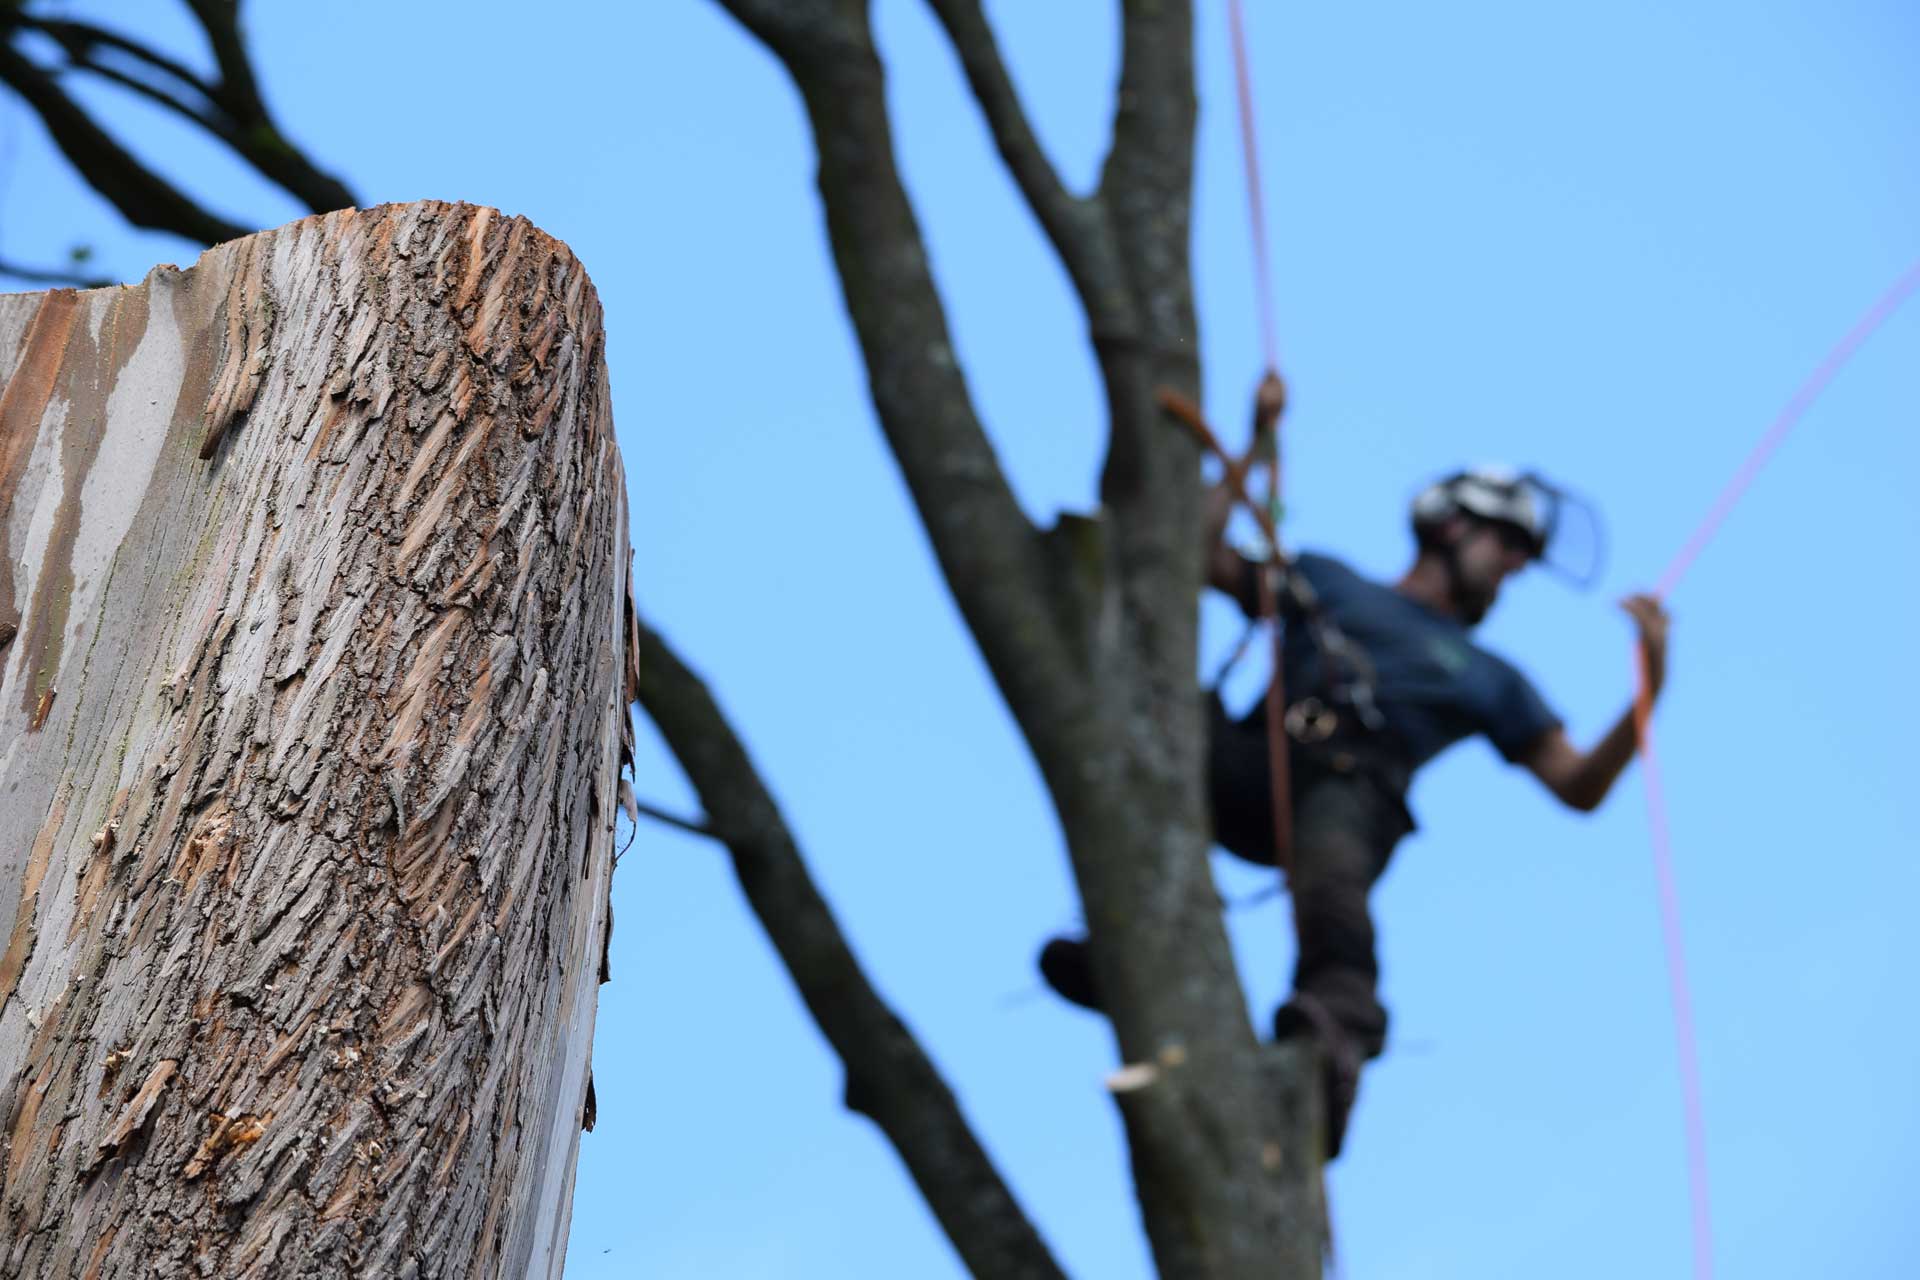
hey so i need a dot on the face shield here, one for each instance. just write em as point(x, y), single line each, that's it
point(1560, 528)
point(1567, 528)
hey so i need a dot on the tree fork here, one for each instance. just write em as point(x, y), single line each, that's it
point(304, 872)
point(1090, 632)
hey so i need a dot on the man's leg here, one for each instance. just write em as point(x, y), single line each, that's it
point(1342, 837)
point(1345, 826)
point(1239, 786)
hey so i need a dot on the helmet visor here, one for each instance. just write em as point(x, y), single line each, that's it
point(1572, 543)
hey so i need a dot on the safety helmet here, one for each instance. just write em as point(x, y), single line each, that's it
point(1563, 530)
point(1493, 493)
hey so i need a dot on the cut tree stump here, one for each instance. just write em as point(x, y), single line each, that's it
point(314, 666)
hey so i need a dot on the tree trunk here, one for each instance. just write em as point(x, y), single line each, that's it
point(314, 662)
point(1090, 628)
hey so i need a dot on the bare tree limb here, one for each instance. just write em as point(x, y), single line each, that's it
point(142, 196)
point(206, 118)
point(53, 275)
point(79, 38)
point(231, 111)
point(1145, 187)
point(1076, 226)
point(889, 1077)
point(801, 30)
point(82, 42)
point(238, 91)
point(257, 138)
point(688, 825)
point(1015, 591)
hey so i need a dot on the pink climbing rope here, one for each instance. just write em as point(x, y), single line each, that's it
point(1256, 205)
point(1693, 1112)
point(1690, 1093)
point(1797, 407)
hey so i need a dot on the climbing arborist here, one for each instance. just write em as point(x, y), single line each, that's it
point(1379, 680)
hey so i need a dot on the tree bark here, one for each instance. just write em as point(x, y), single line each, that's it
point(313, 680)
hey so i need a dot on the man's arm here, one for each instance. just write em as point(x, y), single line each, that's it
point(1226, 568)
point(1582, 779)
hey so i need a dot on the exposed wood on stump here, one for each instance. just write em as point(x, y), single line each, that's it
point(312, 702)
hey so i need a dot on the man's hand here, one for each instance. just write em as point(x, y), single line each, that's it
point(1225, 568)
point(1269, 402)
point(1651, 620)
point(1582, 779)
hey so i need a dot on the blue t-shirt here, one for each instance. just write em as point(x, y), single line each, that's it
point(1433, 684)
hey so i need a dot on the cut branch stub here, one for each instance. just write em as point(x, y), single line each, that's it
point(304, 874)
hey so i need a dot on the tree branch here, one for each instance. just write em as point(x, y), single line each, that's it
point(232, 111)
point(674, 820)
point(238, 91)
point(800, 30)
point(1146, 187)
point(889, 1077)
point(142, 196)
point(80, 38)
point(257, 138)
point(1007, 580)
point(53, 276)
point(208, 118)
point(1077, 227)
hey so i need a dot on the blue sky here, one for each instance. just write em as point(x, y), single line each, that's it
point(1607, 241)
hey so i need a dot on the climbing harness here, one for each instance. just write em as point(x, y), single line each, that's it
point(1346, 674)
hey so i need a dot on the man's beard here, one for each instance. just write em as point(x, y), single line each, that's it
point(1472, 604)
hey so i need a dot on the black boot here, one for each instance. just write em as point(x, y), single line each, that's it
point(1064, 965)
point(1305, 1016)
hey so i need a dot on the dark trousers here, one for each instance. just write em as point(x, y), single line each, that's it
point(1348, 814)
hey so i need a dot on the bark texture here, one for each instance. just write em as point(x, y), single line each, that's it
point(314, 661)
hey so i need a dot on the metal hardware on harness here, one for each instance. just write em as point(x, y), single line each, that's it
point(1351, 669)
point(1311, 720)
